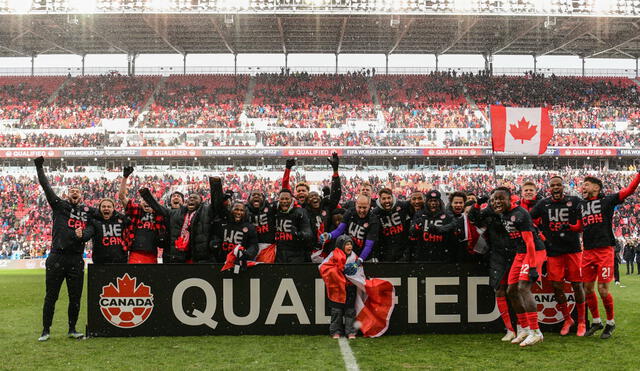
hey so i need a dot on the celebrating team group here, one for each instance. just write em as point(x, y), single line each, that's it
point(516, 236)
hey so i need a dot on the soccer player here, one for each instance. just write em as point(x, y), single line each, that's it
point(146, 229)
point(501, 254)
point(530, 255)
point(596, 211)
point(65, 259)
point(365, 189)
point(433, 230)
point(292, 228)
point(320, 210)
point(564, 252)
point(190, 227)
point(529, 195)
point(106, 230)
point(395, 222)
point(361, 225)
point(235, 230)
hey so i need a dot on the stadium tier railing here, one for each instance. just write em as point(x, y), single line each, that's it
point(251, 70)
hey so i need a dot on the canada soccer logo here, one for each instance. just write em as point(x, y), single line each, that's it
point(546, 301)
point(126, 305)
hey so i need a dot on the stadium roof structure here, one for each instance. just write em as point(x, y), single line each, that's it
point(334, 28)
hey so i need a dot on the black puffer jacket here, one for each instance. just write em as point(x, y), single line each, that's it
point(501, 248)
point(200, 243)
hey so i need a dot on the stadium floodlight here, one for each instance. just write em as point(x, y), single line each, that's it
point(19, 6)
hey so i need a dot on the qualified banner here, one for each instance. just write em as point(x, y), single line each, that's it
point(274, 299)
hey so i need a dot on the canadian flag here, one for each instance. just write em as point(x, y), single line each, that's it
point(522, 130)
point(374, 299)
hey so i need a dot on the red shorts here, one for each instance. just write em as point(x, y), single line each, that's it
point(565, 266)
point(520, 270)
point(597, 264)
point(141, 257)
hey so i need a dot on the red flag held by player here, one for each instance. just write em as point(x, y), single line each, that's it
point(521, 130)
point(374, 300)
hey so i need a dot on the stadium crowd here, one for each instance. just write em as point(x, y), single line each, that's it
point(83, 101)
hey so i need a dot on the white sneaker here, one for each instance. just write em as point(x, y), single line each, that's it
point(532, 339)
point(520, 338)
point(75, 335)
point(510, 335)
point(44, 337)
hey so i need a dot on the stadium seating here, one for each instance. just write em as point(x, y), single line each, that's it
point(196, 101)
point(21, 96)
point(285, 107)
point(84, 101)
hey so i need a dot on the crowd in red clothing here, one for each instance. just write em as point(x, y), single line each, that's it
point(197, 101)
point(83, 101)
point(575, 102)
point(311, 101)
point(25, 218)
point(425, 101)
point(21, 96)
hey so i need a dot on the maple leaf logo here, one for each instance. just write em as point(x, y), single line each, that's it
point(523, 131)
point(126, 287)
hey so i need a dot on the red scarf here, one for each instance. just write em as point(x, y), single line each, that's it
point(182, 243)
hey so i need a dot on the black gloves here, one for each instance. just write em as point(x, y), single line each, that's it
point(144, 192)
point(291, 163)
point(483, 200)
point(469, 203)
point(334, 160)
point(533, 274)
point(39, 161)
point(126, 171)
point(565, 227)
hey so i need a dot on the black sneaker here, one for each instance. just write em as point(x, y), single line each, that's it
point(595, 327)
point(73, 334)
point(608, 331)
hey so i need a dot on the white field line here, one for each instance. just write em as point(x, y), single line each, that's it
point(347, 355)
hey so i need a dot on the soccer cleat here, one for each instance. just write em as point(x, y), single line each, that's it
point(532, 339)
point(510, 335)
point(566, 327)
point(351, 336)
point(595, 327)
point(44, 337)
point(582, 328)
point(608, 331)
point(336, 336)
point(73, 334)
point(520, 338)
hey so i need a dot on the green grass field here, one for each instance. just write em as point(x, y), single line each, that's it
point(22, 292)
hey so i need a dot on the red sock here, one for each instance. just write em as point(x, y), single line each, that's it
point(581, 312)
point(562, 307)
point(533, 320)
point(592, 303)
point(523, 320)
point(503, 307)
point(608, 306)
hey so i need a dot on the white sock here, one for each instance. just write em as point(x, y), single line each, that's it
point(611, 322)
point(538, 332)
point(596, 320)
point(522, 329)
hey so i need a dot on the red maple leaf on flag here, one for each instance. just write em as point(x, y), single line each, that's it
point(126, 287)
point(523, 131)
